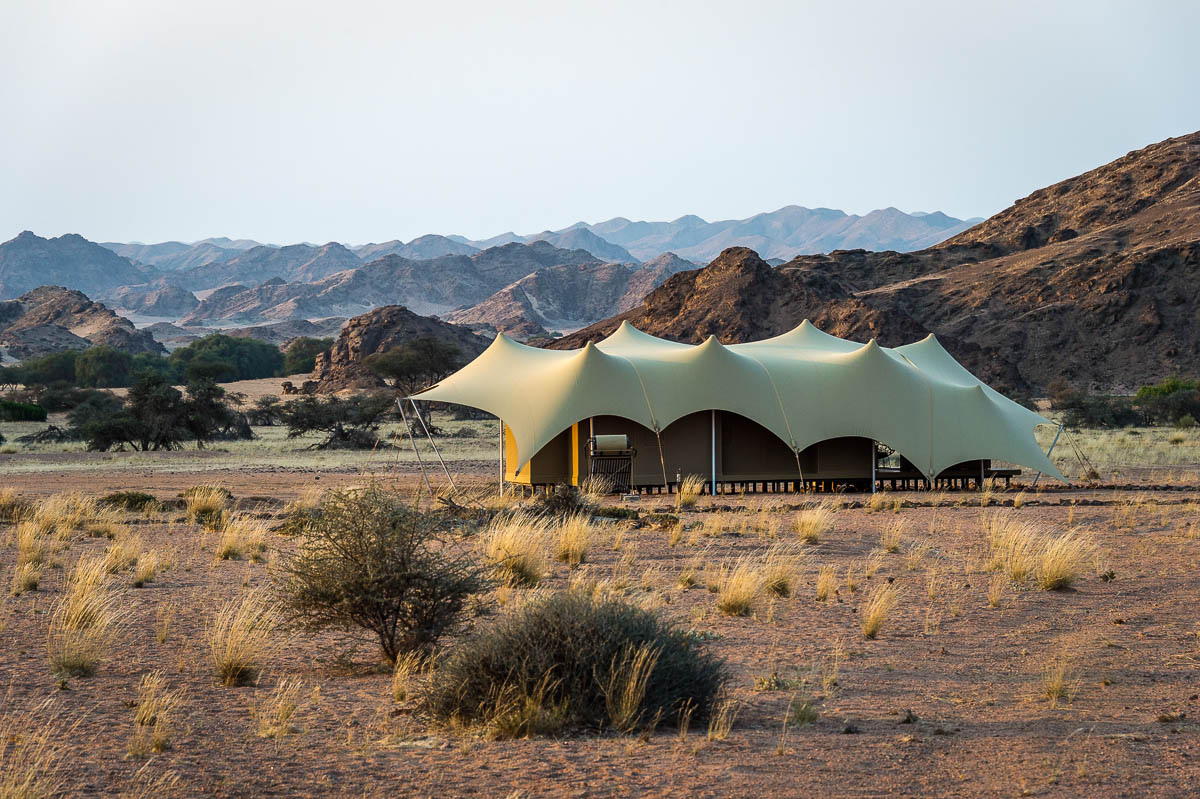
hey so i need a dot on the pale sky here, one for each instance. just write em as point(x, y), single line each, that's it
point(360, 121)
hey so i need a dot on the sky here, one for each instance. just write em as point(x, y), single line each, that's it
point(360, 121)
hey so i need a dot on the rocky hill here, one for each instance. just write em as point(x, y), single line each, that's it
point(52, 318)
point(154, 299)
point(377, 331)
point(29, 261)
point(1096, 279)
point(568, 297)
point(580, 238)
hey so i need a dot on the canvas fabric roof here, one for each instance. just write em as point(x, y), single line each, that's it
point(804, 386)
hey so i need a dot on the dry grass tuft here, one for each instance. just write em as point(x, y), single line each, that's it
point(154, 715)
point(205, 505)
point(407, 666)
point(85, 622)
point(916, 555)
point(25, 577)
point(273, 715)
point(1059, 681)
point(690, 489)
point(31, 751)
point(625, 689)
point(1062, 561)
point(893, 536)
point(147, 567)
point(66, 514)
point(11, 504)
point(877, 502)
point(779, 570)
point(875, 612)
point(1012, 546)
point(242, 536)
point(242, 637)
point(738, 588)
point(572, 538)
point(812, 523)
point(996, 588)
point(122, 553)
point(827, 583)
point(33, 547)
point(514, 546)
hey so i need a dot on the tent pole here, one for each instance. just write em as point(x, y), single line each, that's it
point(661, 461)
point(432, 443)
point(412, 439)
point(872, 467)
point(501, 421)
point(1048, 453)
point(713, 449)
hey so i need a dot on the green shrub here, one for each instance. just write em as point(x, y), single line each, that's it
point(224, 358)
point(1185, 422)
point(129, 500)
point(21, 412)
point(301, 354)
point(365, 560)
point(560, 660)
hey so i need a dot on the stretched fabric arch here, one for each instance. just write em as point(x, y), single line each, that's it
point(804, 386)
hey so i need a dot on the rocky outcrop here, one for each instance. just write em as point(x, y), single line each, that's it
point(52, 318)
point(378, 331)
point(296, 262)
point(1095, 279)
point(420, 248)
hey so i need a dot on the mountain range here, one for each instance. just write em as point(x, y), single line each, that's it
point(1095, 279)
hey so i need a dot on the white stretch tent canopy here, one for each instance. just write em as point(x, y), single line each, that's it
point(804, 386)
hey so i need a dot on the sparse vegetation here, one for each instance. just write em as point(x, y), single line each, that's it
point(738, 588)
point(85, 622)
point(514, 547)
point(369, 562)
point(567, 660)
point(242, 637)
point(812, 523)
point(876, 609)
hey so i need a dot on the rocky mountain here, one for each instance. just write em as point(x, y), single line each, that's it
point(421, 248)
point(1095, 279)
point(580, 238)
point(568, 297)
point(153, 299)
point(170, 256)
point(295, 262)
point(29, 261)
point(784, 233)
point(51, 318)
point(377, 331)
point(433, 286)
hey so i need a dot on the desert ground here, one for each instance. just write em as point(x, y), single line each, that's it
point(977, 683)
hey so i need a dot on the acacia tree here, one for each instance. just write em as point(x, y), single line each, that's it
point(349, 423)
point(415, 364)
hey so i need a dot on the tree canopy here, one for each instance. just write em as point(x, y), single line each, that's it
point(415, 364)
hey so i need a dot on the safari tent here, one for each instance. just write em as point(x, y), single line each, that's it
point(803, 410)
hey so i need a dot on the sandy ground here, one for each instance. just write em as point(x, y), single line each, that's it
point(971, 674)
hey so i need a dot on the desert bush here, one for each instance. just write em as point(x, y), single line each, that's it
point(564, 500)
point(567, 660)
point(242, 637)
point(513, 546)
point(21, 412)
point(812, 523)
point(367, 561)
point(129, 500)
point(690, 489)
point(347, 423)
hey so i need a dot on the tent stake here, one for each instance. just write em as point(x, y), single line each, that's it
point(412, 439)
